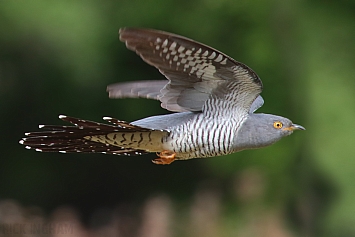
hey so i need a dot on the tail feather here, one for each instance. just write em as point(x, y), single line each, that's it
point(70, 139)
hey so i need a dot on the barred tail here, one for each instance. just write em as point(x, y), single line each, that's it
point(91, 137)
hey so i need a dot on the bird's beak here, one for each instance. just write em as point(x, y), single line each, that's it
point(295, 127)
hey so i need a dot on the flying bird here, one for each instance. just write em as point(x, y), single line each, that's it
point(214, 98)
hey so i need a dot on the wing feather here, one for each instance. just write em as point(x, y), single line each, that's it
point(198, 74)
point(138, 89)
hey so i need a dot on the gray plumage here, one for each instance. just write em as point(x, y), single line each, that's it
point(215, 98)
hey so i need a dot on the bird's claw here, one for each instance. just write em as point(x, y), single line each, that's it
point(165, 158)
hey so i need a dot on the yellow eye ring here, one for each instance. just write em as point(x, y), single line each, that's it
point(278, 125)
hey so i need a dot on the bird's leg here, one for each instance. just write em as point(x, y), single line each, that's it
point(165, 158)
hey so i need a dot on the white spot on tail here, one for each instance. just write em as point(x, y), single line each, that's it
point(62, 152)
point(62, 116)
point(21, 142)
point(38, 150)
point(40, 126)
point(106, 118)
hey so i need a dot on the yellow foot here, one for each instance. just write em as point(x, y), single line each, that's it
point(165, 158)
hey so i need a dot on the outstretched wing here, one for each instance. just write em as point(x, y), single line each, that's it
point(151, 89)
point(200, 77)
point(137, 89)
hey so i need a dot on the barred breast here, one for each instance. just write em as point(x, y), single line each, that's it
point(202, 137)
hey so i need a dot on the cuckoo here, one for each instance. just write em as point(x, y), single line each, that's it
point(213, 97)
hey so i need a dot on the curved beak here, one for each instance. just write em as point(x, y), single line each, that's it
point(296, 127)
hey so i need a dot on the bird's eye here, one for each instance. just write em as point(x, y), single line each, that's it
point(277, 125)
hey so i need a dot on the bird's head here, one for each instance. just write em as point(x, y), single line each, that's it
point(261, 130)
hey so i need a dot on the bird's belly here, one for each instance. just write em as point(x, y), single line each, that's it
point(192, 141)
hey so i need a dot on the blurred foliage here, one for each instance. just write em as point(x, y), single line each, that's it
point(56, 57)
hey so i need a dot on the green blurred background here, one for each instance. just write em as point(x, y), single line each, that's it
point(57, 57)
